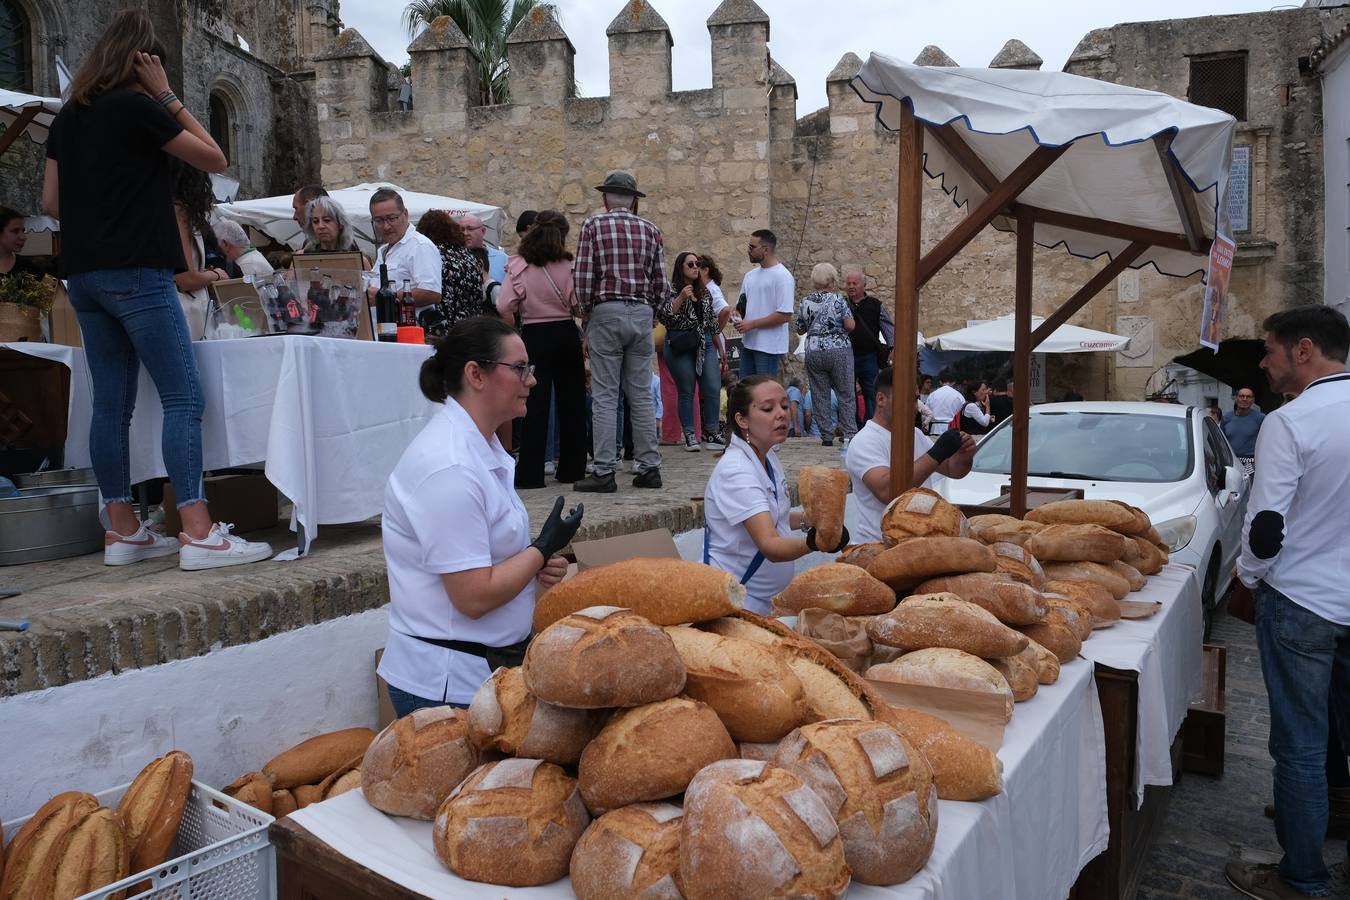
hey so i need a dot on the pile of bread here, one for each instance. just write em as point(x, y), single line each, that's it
point(315, 769)
point(676, 746)
point(991, 604)
point(72, 845)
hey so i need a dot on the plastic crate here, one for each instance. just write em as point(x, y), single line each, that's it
point(221, 852)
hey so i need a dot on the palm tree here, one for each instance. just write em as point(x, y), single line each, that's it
point(486, 23)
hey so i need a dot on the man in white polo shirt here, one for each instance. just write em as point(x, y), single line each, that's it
point(869, 461)
point(410, 256)
point(1294, 558)
point(945, 402)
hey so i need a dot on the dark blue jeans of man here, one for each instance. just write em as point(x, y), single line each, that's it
point(865, 370)
point(1304, 659)
point(405, 703)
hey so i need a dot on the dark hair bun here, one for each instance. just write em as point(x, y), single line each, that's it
point(431, 379)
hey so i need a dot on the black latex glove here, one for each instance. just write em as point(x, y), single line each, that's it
point(843, 540)
point(558, 530)
point(945, 447)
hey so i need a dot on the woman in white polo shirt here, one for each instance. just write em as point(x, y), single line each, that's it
point(750, 528)
point(462, 568)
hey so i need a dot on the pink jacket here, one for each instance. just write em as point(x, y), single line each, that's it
point(527, 289)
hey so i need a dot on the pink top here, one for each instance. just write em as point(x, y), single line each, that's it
point(528, 289)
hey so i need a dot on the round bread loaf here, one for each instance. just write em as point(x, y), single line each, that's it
point(1021, 671)
point(1011, 602)
point(914, 560)
point(861, 554)
point(1107, 513)
point(93, 853)
point(504, 716)
point(920, 512)
point(512, 822)
point(1018, 563)
point(31, 858)
point(664, 591)
point(602, 657)
point(252, 788)
point(1074, 543)
point(1102, 608)
point(630, 852)
point(1055, 635)
point(1129, 573)
point(650, 753)
point(823, 491)
point(1047, 664)
point(753, 830)
point(963, 768)
point(416, 761)
point(837, 588)
point(153, 806)
point(880, 791)
point(946, 668)
point(344, 779)
point(750, 686)
point(945, 620)
point(1106, 576)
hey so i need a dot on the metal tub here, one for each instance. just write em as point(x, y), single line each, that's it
point(55, 478)
point(45, 523)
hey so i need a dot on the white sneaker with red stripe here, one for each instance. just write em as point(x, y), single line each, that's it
point(124, 549)
point(219, 549)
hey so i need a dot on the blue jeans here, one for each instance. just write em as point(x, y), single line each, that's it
point(129, 317)
point(865, 370)
point(757, 362)
point(1305, 659)
point(404, 702)
point(709, 385)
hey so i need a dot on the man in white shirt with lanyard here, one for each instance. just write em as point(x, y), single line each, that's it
point(1294, 558)
point(945, 402)
point(869, 461)
point(410, 256)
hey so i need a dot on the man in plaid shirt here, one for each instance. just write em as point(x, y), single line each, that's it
point(619, 278)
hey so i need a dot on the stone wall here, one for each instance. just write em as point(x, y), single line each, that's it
point(719, 163)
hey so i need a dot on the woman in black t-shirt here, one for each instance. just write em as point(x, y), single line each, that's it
point(108, 181)
point(12, 240)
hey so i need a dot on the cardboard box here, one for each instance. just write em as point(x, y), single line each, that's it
point(382, 694)
point(658, 543)
point(248, 500)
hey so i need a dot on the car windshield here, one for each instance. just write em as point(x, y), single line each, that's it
point(1096, 446)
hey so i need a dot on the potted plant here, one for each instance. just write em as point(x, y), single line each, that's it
point(23, 300)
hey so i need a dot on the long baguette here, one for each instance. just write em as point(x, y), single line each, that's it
point(30, 859)
point(313, 760)
point(663, 591)
point(153, 806)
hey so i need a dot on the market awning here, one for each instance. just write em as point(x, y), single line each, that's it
point(274, 217)
point(997, 334)
point(26, 114)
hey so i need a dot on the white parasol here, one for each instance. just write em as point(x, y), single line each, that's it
point(997, 334)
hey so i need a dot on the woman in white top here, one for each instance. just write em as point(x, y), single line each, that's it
point(975, 417)
point(749, 523)
point(462, 568)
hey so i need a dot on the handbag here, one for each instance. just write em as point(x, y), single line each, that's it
point(680, 341)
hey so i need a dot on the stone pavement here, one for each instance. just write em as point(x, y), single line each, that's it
point(1210, 821)
point(88, 620)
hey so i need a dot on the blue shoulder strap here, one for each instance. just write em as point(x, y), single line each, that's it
point(758, 559)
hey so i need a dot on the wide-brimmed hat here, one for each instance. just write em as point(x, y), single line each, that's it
point(619, 183)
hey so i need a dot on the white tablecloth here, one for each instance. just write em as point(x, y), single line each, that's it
point(329, 418)
point(1029, 843)
point(77, 421)
point(1165, 650)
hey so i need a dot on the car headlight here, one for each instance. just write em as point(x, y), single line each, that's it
point(1177, 533)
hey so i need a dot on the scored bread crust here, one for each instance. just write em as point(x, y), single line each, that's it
point(1021, 671)
point(630, 852)
point(313, 760)
point(945, 620)
point(663, 591)
point(1055, 635)
point(823, 491)
point(1011, 602)
point(93, 853)
point(650, 753)
point(752, 689)
point(504, 716)
point(880, 790)
point(1019, 564)
point(1106, 576)
point(963, 768)
point(752, 830)
point(1075, 543)
point(416, 761)
point(836, 587)
point(921, 512)
point(30, 857)
point(602, 657)
point(1107, 513)
point(918, 559)
point(1103, 609)
point(861, 554)
point(152, 808)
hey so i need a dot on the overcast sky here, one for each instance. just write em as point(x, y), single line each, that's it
point(808, 44)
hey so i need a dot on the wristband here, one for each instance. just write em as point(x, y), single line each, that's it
point(166, 98)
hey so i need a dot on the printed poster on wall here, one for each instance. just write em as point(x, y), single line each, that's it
point(1216, 290)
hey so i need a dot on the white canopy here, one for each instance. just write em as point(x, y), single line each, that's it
point(274, 215)
point(1113, 172)
point(997, 334)
point(13, 103)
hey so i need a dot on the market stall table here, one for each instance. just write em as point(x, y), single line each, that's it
point(77, 419)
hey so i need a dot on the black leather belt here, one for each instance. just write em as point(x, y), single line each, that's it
point(496, 657)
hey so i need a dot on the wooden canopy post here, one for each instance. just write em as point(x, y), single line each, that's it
point(905, 355)
point(1026, 245)
point(17, 127)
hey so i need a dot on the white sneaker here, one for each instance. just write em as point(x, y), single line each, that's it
point(218, 549)
point(690, 442)
point(550, 468)
point(124, 549)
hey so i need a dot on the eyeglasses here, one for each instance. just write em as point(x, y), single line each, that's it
point(387, 220)
point(524, 370)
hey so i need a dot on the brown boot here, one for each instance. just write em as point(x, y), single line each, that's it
point(1260, 881)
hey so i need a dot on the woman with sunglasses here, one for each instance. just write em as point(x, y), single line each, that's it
point(691, 324)
point(462, 568)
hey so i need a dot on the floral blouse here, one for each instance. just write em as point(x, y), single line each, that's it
point(821, 318)
point(461, 290)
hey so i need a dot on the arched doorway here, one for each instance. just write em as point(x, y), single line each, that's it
point(222, 124)
point(16, 64)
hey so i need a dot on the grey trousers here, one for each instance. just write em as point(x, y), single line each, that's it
point(619, 336)
point(827, 369)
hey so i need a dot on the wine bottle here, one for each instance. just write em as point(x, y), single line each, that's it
point(407, 310)
point(386, 308)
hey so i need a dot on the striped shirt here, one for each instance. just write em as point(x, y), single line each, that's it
point(620, 256)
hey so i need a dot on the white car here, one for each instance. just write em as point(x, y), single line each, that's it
point(1171, 461)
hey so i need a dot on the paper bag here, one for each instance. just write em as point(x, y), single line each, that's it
point(976, 714)
point(846, 638)
point(65, 328)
